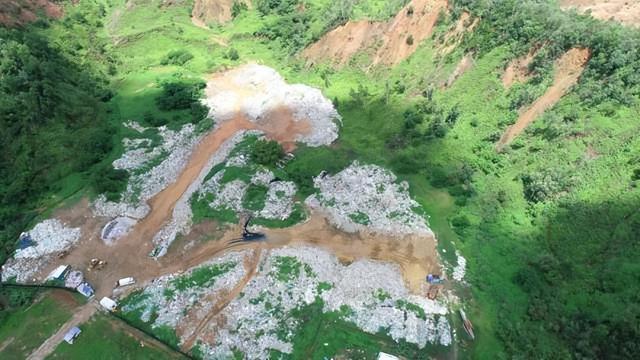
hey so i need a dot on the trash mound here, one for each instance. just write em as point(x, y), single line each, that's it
point(116, 228)
point(391, 41)
point(48, 238)
point(281, 110)
point(367, 293)
point(567, 70)
point(169, 298)
point(625, 11)
point(151, 168)
point(367, 198)
point(182, 215)
point(460, 269)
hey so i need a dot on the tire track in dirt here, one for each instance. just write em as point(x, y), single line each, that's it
point(567, 72)
point(251, 267)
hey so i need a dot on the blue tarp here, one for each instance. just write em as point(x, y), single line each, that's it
point(25, 241)
point(85, 289)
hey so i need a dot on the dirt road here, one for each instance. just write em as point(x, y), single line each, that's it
point(80, 316)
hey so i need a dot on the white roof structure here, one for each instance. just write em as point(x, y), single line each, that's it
point(58, 272)
point(72, 334)
point(108, 304)
point(385, 356)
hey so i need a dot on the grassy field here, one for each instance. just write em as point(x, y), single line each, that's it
point(106, 338)
point(25, 328)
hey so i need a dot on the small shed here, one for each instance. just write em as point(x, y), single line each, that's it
point(72, 334)
point(85, 289)
point(385, 356)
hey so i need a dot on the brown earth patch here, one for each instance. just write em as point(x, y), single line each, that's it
point(208, 11)
point(517, 70)
point(567, 69)
point(625, 11)
point(454, 36)
point(21, 12)
point(390, 41)
point(465, 64)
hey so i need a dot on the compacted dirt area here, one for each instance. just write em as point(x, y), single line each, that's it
point(567, 72)
point(20, 12)
point(625, 11)
point(389, 42)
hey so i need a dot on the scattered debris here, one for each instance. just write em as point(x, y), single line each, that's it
point(468, 327)
point(367, 198)
point(460, 268)
point(49, 237)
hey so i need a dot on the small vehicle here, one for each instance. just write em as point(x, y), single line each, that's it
point(125, 282)
point(108, 304)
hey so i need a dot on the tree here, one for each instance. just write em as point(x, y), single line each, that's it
point(267, 152)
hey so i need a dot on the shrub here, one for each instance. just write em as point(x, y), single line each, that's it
point(178, 96)
point(177, 57)
point(238, 7)
point(410, 40)
point(267, 152)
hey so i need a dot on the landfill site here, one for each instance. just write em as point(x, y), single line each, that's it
point(359, 246)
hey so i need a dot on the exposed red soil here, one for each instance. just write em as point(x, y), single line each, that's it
point(518, 70)
point(21, 12)
point(463, 66)
point(388, 41)
point(625, 11)
point(454, 36)
point(208, 11)
point(567, 71)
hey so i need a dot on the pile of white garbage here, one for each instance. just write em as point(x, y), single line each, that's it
point(257, 90)
point(460, 268)
point(161, 297)
point(50, 237)
point(373, 291)
point(174, 151)
point(370, 190)
point(116, 228)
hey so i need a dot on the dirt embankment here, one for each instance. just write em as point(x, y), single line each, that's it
point(625, 11)
point(388, 42)
point(567, 69)
point(518, 70)
point(454, 36)
point(465, 64)
point(208, 11)
point(20, 12)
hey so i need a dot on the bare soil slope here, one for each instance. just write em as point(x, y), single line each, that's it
point(567, 72)
point(206, 11)
point(625, 11)
point(391, 42)
point(20, 12)
point(518, 70)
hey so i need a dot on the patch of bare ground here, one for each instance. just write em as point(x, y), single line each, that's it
point(21, 12)
point(625, 11)
point(517, 70)
point(390, 42)
point(208, 11)
point(454, 36)
point(465, 64)
point(567, 69)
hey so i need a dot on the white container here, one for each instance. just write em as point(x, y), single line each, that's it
point(108, 304)
point(126, 281)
